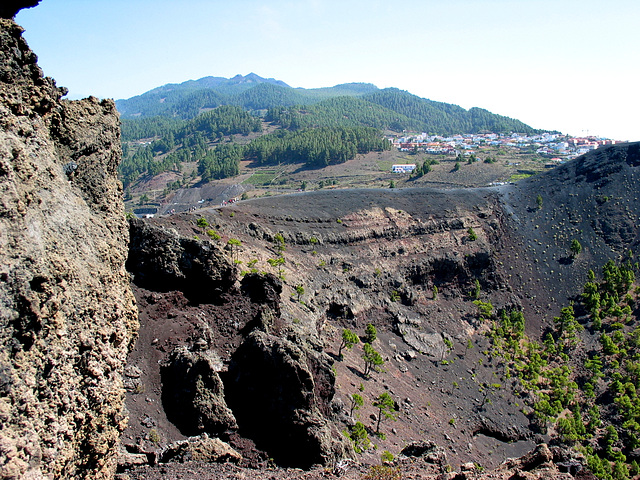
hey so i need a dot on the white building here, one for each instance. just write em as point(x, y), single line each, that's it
point(408, 168)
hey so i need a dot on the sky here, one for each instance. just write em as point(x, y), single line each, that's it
point(566, 65)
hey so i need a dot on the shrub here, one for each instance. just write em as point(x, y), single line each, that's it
point(372, 359)
point(386, 456)
point(371, 333)
point(383, 472)
point(576, 248)
point(359, 437)
point(154, 436)
point(349, 339)
point(475, 293)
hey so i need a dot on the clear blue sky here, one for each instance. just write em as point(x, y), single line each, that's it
point(568, 65)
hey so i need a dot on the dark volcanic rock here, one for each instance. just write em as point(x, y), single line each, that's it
point(264, 289)
point(280, 392)
point(9, 8)
point(162, 260)
point(193, 394)
point(67, 313)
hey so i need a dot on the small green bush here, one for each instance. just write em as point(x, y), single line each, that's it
point(383, 472)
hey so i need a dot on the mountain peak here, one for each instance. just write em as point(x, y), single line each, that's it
point(254, 78)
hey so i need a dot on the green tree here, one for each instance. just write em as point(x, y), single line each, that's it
point(356, 402)
point(349, 339)
point(359, 437)
point(202, 223)
point(485, 309)
point(448, 347)
point(475, 293)
point(277, 263)
point(234, 244)
point(299, 291)
point(539, 201)
point(386, 408)
point(567, 326)
point(372, 359)
point(469, 346)
point(472, 235)
point(576, 248)
point(278, 243)
point(456, 167)
point(486, 389)
point(370, 333)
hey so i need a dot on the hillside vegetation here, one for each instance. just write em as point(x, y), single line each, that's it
point(191, 121)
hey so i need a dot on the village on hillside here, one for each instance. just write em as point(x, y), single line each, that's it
point(555, 146)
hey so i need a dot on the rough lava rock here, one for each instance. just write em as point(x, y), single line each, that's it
point(162, 260)
point(67, 313)
point(280, 391)
point(193, 394)
point(200, 449)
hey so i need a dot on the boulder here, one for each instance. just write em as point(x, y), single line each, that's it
point(162, 260)
point(193, 393)
point(200, 449)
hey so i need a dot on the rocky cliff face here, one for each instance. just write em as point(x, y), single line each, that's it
point(215, 357)
point(67, 314)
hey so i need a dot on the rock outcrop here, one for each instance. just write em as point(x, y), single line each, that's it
point(193, 394)
point(200, 449)
point(280, 391)
point(162, 260)
point(67, 313)
point(9, 8)
point(234, 367)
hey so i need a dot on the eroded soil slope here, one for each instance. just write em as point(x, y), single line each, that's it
point(409, 261)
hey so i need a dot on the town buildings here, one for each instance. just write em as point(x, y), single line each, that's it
point(552, 145)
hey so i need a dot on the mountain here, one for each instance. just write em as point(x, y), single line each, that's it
point(254, 93)
point(173, 113)
point(187, 98)
point(444, 118)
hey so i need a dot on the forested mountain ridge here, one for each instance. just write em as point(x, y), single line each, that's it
point(254, 93)
point(190, 122)
point(444, 118)
point(174, 99)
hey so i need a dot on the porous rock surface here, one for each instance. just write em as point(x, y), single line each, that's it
point(67, 313)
